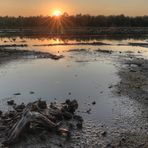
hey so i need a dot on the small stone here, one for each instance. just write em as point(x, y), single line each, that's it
point(80, 125)
point(78, 118)
point(20, 107)
point(123, 139)
point(67, 101)
point(60, 145)
point(42, 104)
point(104, 133)
point(31, 92)
point(10, 102)
point(110, 86)
point(88, 111)
point(94, 102)
point(1, 112)
point(109, 146)
point(70, 125)
point(17, 94)
point(72, 106)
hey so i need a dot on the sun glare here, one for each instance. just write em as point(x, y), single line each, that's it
point(57, 13)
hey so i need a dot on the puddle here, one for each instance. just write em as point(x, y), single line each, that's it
point(62, 79)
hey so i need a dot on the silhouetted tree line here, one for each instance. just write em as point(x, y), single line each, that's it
point(74, 21)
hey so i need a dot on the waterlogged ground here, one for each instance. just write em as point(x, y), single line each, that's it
point(88, 72)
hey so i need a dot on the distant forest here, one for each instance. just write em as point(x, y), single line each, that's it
point(73, 21)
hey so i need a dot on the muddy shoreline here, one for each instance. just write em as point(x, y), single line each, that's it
point(134, 81)
point(7, 55)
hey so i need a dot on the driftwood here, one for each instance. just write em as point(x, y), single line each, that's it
point(38, 115)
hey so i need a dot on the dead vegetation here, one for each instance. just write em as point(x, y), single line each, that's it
point(38, 116)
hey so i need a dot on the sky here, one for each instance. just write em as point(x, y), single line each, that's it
point(92, 7)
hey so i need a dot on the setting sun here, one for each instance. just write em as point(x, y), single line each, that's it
point(57, 13)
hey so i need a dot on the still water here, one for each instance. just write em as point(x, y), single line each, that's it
point(86, 76)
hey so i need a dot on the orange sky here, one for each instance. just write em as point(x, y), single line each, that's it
point(93, 7)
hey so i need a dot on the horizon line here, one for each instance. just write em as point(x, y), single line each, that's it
point(83, 14)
